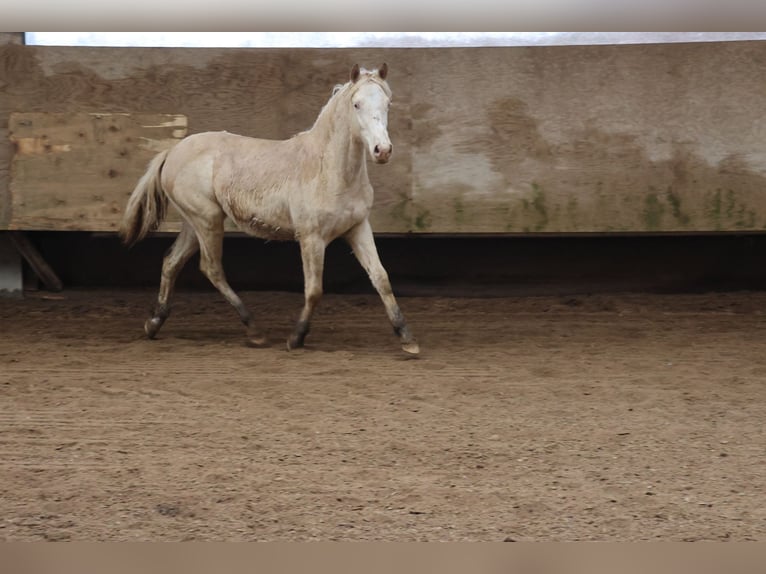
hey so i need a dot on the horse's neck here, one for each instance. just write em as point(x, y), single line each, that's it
point(333, 136)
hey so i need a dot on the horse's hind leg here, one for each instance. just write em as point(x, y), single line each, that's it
point(182, 249)
point(211, 250)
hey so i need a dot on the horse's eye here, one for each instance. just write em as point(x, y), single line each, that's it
point(356, 105)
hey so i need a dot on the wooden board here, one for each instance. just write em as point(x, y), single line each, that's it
point(76, 170)
point(564, 139)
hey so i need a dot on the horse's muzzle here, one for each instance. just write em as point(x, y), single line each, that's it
point(382, 153)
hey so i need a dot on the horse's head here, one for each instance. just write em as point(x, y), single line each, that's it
point(370, 100)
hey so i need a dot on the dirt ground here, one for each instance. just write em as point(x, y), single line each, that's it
point(605, 417)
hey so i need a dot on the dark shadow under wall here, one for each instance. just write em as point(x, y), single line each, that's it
point(426, 265)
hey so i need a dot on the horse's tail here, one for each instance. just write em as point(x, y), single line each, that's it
point(147, 204)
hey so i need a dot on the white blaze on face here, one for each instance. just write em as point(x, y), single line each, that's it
point(371, 107)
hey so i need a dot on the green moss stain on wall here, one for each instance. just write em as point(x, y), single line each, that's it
point(714, 209)
point(459, 210)
point(675, 201)
point(539, 206)
point(652, 212)
point(423, 220)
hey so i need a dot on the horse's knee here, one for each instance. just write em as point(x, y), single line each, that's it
point(313, 296)
point(205, 267)
point(170, 266)
point(212, 272)
point(380, 281)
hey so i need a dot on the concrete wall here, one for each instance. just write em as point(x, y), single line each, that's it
point(632, 138)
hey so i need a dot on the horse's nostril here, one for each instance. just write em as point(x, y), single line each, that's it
point(377, 150)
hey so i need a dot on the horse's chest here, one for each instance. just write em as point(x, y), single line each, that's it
point(345, 213)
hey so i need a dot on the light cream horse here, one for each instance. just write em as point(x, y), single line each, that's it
point(311, 188)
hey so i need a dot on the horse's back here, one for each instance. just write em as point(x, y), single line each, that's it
point(203, 143)
point(192, 160)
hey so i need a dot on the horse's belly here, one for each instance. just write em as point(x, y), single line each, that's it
point(263, 229)
point(260, 218)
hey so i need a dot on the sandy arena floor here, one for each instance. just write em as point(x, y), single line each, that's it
point(609, 417)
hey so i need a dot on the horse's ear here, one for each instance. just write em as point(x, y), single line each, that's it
point(354, 73)
point(383, 71)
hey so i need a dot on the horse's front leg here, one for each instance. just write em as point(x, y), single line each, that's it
point(362, 242)
point(312, 255)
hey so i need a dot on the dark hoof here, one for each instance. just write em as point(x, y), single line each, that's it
point(298, 336)
point(295, 343)
point(152, 326)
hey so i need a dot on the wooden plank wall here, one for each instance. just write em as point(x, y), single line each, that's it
point(75, 171)
point(643, 138)
point(6, 39)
